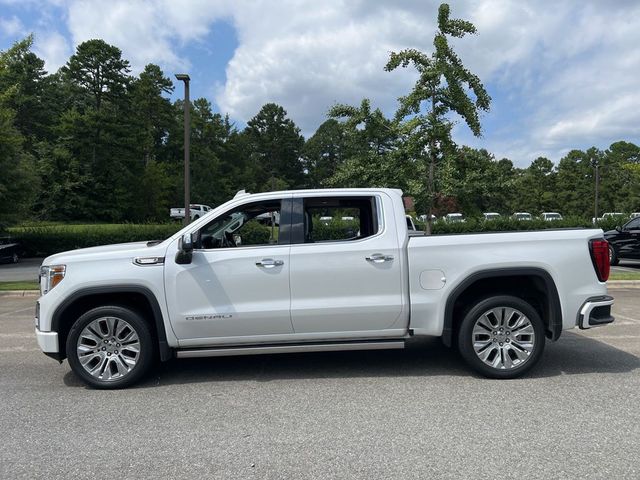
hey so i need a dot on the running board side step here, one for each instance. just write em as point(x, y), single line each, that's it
point(297, 348)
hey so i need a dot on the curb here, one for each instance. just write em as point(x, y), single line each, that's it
point(20, 293)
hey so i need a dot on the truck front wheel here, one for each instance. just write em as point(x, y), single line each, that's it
point(501, 337)
point(110, 347)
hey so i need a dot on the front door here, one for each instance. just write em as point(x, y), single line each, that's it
point(237, 284)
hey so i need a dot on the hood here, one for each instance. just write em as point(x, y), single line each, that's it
point(120, 250)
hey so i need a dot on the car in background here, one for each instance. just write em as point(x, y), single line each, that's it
point(608, 215)
point(624, 242)
point(524, 216)
point(195, 211)
point(635, 215)
point(269, 218)
point(423, 218)
point(550, 216)
point(326, 220)
point(9, 250)
point(491, 216)
point(454, 218)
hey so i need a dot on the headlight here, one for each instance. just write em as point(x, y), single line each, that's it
point(50, 276)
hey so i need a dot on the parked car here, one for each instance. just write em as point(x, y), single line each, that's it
point(269, 218)
point(624, 242)
point(454, 218)
point(608, 215)
point(491, 216)
point(196, 211)
point(9, 250)
point(635, 215)
point(423, 218)
point(550, 216)
point(522, 216)
point(498, 297)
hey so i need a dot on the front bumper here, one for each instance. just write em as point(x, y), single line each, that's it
point(596, 311)
point(47, 341)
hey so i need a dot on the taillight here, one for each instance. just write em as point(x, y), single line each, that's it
point(600, 258)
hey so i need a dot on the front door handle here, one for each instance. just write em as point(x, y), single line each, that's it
point(379, 258)
point(269, 263)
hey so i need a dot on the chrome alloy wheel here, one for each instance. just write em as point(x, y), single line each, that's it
point(503, 338)
point(108, 348)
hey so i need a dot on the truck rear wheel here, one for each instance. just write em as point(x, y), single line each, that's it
point(110, 347)
point(501, 337)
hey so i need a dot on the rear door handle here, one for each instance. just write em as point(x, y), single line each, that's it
point(269, 263)
point(379, 258)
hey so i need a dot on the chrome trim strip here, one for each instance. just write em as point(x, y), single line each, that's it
point(148, 261)
point(585, 311)
point(262, 350)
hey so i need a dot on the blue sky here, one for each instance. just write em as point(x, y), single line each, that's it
point(562, 74)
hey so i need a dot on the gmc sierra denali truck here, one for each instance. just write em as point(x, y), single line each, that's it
point(229, 285)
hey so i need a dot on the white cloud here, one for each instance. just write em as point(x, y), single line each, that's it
point(145, 31)
point(53, 48)
point(564, 72)
point(11, 27)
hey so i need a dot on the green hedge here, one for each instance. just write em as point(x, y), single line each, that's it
point(39, 241)
point(472, 225)
point(43, 240)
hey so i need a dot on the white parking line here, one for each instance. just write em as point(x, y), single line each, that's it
point(16, 311)
point(624, 317)
point(17, 335)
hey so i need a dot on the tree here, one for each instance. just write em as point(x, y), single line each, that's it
point(440, 89)
point(99, 130)
point(23, 79)
point(153, 111)
point(323, 153)
point(99, 70)
point(18, 181)
point(371, 153)
point(275, 148)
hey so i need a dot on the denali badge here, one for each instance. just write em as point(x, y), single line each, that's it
point(209, 317)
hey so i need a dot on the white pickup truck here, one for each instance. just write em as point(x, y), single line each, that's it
point(228, 285)
point(195, 211)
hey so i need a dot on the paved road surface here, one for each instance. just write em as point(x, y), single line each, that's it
point(26, 269)
point(416, 413)
point(627, 266)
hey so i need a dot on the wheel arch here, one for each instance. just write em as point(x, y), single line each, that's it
point(136, 297)
point(541, 290)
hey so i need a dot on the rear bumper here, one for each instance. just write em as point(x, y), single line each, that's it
point(596, 311)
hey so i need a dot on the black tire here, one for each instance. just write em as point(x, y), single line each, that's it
point(613, 256)
point(466, 337)
point(146, 346)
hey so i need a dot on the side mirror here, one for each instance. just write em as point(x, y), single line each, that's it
point(618, 228)
point(185, 249)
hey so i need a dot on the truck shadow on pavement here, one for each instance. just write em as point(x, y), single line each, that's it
point(572, 354)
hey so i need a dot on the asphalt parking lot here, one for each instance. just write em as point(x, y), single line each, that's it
point(414, 413)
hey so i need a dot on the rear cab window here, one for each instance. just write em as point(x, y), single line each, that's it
point(338, 219)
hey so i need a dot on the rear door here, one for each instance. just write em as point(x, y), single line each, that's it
point(346, 275)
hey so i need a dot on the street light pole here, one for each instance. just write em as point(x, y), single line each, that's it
point(187, 136)
point(597, 167)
